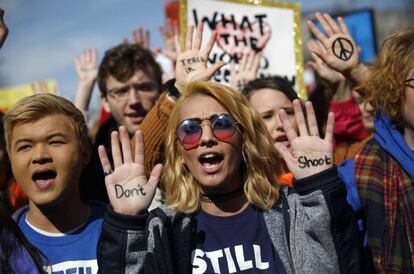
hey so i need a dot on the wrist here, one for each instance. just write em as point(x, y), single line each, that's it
point(173, 90)
point(357, 75)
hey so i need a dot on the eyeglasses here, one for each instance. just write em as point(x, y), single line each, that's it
point(189, 131)
point(122, 93)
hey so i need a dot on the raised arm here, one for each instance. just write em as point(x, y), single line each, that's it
point(87, 69)
point(323, 234)
point(308, 154)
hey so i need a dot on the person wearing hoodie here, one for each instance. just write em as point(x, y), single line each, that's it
point(380, 178)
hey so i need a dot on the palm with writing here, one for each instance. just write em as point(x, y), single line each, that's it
point(248, 67)
point(192, 61)
point(308, 153)
point(129, 190)
point(340, 51)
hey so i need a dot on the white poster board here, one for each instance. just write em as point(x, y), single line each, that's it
point(249, 24)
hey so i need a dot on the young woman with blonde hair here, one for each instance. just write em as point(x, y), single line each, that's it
point(225, 211)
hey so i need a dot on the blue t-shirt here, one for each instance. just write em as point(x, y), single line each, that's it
point(71, 253)
point(235, 244)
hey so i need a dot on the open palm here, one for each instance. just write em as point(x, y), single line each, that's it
point(340, 51)
point(308, 153)
point(129, 190)
point(192, 61)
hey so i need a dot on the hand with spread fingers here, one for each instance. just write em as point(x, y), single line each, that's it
point(167, 34)
point(248, 67)
point(141, 37)
point(329, 76)
point(308, 153)
point(86, 65)
point(3, 28)
point(87, 69)
point(339, 49)
point(192, 61)
point(129, 190)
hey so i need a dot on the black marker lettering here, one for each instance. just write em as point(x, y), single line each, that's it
point(189, 69)
point(260, 19)
point(226, 21)
point(121, 192)
point(305, 162)
point(245, 21)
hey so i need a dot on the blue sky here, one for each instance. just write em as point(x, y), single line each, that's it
point(46, 35)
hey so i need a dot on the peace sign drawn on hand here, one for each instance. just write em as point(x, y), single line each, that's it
point(340, 51)
point(308, 154)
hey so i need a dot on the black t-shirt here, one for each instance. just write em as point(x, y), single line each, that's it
point(235, 244)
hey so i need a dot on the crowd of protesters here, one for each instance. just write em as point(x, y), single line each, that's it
point(184, 175)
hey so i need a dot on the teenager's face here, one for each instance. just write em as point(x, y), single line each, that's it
point(215, 164)
point(367, 111)
point(267, 103)
point(130, 101)
point(47, 159)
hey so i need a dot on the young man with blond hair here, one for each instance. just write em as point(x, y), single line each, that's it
point(47, 141)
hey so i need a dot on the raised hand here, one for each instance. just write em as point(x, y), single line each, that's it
point(168, 35)
point(129, 190)
point(41, 86)
point(141, 37)
point(328, 75)
point(191, 61)
point(86, 65)
point(308, 153)
point(3, 28)
point(340, 51)
point(248, 67)
point(87, 69)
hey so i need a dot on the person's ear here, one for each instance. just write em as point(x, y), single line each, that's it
point(105, 104)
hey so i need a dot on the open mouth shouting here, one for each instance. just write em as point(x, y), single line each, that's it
point(44, 178)
point(211, 161)
point(282, 139)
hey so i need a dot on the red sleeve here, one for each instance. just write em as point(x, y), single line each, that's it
point(348, 122)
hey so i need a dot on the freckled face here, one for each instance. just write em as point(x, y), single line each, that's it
point(267, 103)
point(215, 164)
point(47, 159)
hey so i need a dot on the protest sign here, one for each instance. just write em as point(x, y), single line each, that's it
point(274, 28)
point(10, 95)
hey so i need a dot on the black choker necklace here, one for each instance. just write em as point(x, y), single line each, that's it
point(218, 198)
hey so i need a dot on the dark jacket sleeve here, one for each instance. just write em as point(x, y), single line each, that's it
point(343, 224)
point(133, 244)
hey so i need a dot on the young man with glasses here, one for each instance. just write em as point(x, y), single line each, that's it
point(130, 82)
